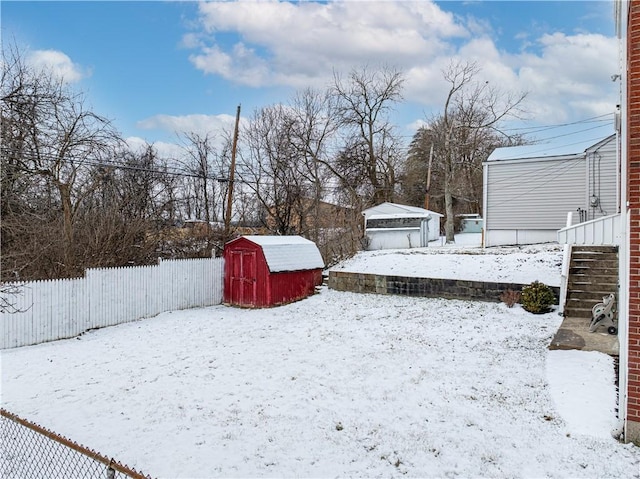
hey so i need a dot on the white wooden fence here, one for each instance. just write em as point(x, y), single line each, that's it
point(64, 308)
point(601, 231)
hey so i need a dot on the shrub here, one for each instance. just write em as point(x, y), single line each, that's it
point(537, 298)
point(510, 297)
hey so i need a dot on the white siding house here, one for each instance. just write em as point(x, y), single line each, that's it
point(528, 190)
point(395, 226)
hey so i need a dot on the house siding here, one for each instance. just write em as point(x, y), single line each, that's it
point(632, 430)
point(533, 194)
point(603, 179)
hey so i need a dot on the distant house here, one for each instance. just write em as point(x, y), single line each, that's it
point(470, 223)
point(391, 226)
point(528, 190)
point(199, 227)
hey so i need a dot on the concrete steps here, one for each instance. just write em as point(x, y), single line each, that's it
point(593, 274)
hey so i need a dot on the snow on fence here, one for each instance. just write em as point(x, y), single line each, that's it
point(64, 308)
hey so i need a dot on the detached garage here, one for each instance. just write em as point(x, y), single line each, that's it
point(263, 271)
point(391, 226)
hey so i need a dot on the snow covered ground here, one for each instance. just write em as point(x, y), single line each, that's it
point(336, 385)
point(464, 260)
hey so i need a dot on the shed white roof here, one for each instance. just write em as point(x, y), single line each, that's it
point(288, 253)
point(388, 208)
point(426, 214)
point(544, 150)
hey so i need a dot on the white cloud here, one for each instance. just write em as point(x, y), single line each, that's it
point(136, 144)
point(569, 79)
point(215, 125)
point(573, 71)
point(241, 65)
point(416, 125)
point(219, 128)
point(191, 40)
point(301, 44)
point(164, 149)
point(58, 63)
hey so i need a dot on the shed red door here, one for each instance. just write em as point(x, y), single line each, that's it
point(243, 277)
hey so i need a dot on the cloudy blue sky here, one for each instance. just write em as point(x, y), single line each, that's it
point(155, 67)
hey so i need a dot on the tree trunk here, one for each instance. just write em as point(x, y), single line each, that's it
point(65, 199)
point(448, 206)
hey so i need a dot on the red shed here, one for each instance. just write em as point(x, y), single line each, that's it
point(262, 271)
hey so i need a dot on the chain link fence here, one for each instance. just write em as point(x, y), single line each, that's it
point(29, 451)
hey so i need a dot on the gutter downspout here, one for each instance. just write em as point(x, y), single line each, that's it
point(622, 19)
point(623, 323)
point(485, 201)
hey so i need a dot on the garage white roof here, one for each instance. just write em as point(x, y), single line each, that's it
point(426, 214)
point(389, 209)
point(288, 253)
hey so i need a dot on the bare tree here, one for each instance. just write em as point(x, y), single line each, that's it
point(312, 133)
point(200, 153)
point(74, 195)
point(371, 154)
point(269, 168)
point(471, 148)
point(51, 142)
point(472, 108)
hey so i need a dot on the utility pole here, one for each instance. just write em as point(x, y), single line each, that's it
point(426, 195)
point(232, 173)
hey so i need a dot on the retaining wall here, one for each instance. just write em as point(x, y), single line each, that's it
point(424, 287)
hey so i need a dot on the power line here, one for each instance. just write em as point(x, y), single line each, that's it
point(172, 171)
point(605, 118)
point(568, 134)
point(168, 170)
point(538, 128)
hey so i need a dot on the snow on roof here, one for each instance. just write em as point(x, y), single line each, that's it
point(426, 214)
point(388, 208)
point(544, 150)
point(288, 253)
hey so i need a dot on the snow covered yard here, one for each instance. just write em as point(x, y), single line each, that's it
point(336, 385)
point(516, 264)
